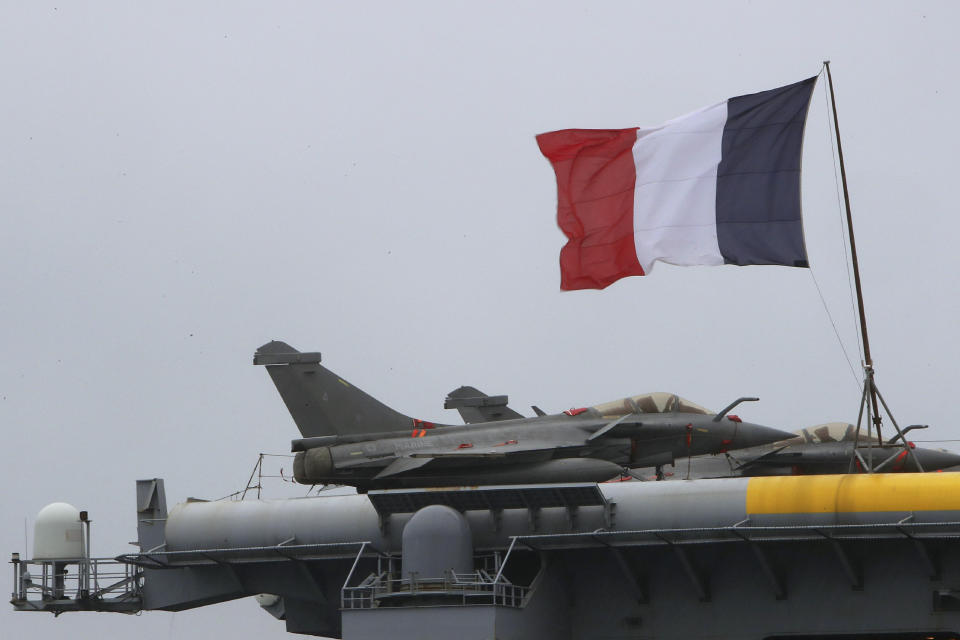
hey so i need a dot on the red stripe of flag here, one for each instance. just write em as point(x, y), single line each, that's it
point(595, 183)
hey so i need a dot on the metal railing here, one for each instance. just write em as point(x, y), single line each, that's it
point(453, 589)
point(81, 584)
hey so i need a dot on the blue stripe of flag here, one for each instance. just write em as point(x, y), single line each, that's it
point(758, 178)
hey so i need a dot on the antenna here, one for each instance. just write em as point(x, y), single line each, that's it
point(257, 471)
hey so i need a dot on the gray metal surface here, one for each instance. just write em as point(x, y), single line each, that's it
point(666, 560)
point(388, 502)
point(625, 506)
point(436, 543)
point(267, 523)
point(340, 408)
point(475, 406)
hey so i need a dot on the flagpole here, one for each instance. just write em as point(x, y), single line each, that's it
point(867, 359)
point(853, 243)
point(873, 410)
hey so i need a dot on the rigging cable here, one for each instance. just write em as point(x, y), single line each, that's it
point(816, 284)
point(835, 331)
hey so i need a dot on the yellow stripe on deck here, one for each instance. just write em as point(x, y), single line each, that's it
point(855, 493)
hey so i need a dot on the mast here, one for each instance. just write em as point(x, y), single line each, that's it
point(869, 386)
point(867, 359)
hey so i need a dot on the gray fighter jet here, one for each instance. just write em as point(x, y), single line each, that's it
point(822, 449)
point(350, 438)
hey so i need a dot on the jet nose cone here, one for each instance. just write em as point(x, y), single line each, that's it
point(753, 435)
point(934, 459)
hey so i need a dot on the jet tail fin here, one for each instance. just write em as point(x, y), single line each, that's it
point(476, 406)
point(321, 402)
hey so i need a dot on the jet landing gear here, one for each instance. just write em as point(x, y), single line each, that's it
point(636, 475)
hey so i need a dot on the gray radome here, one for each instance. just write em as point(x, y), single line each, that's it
point(437, 540)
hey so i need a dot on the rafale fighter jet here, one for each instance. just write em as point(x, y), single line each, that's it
point(823, 449)
point(351, 438)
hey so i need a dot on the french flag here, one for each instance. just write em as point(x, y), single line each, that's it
point(720, 185)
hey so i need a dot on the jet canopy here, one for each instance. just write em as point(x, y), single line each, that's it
point(832, 432)
point(657, 402)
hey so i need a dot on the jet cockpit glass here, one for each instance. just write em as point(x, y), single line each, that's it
point(832, 432)
point(657, 402)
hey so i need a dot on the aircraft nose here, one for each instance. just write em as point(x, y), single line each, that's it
point(934, 459)
point(753, 435)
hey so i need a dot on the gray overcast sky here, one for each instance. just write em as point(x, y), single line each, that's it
point(181, 182)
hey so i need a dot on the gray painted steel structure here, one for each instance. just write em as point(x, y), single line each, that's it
point(630, 560)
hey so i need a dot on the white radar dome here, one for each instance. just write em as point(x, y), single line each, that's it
point(57, 533)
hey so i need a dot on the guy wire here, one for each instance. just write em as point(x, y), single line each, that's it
point(835, 331)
